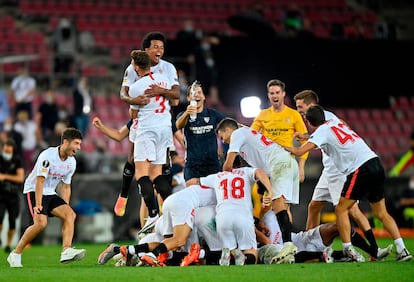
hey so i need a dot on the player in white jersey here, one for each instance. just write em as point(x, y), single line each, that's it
point(331, 181)
point(153, 134)
point(54, 166)
point(365, 176)
point(234, 197)
point(178, 221)
point(260, 152)
point(315, 245)
point(154, 44)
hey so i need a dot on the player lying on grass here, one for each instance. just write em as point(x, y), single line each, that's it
point(314, 245)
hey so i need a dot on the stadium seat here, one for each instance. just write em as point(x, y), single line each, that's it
point(359, 128)
point(395, 129)
point(364, 115)
point(407, 128)
point(408, 115)
point(371, 129)
point(352, 115)
point(383, 129)
point(403, 102)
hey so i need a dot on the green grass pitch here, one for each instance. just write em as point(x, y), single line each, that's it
point(41, 263)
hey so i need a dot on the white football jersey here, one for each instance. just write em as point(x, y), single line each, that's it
point(255, 148)
point(130, 76)
point(167, 69)
point(346, 149)
point(163, 67)
point(194, 196)
point(329, 166)
point(50, 166)
point(233, 189)
point(157, 112)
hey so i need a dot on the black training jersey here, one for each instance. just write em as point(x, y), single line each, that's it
point(201, 138)
point(10, 167)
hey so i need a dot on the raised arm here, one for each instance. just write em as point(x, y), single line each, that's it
point(115, 134)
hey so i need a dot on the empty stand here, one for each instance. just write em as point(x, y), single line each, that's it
point(107, 19)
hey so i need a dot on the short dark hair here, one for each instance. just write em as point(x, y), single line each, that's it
point(156, 35)
point(10, 142)
point(276, 82)
point(141, 59)
point(315, 115)
point(308, 97)
point(70, 134)
point(227, 123)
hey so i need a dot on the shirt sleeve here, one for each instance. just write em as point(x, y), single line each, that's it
point(172, 75)
point(130, 76)
point(44, 165)
point(208, 181)
point(236, 140)
point(257, 124)
point(301, 128)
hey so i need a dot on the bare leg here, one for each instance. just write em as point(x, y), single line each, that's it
point(68, 216)
point(360, 219)
point(329, 231)
point(39, 224)
point(314, 214)
point(380, 211)
point(179, 238)
point(342, 218)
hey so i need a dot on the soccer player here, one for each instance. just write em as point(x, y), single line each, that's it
point(152, 133)
point(202, 156)
point(119, 135)
point(178, 222)
point(280, 122)
point(365, 176)
point(154, 44)
point(314, 245)
point(331, 181)
point(54, 166)
point(234, 196)
point(261, 152)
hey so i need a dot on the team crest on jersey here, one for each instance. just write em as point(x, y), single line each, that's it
point(287, 120)
point(206, 119)
point(45, 164)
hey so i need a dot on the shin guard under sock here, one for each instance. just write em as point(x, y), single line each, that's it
point(127, 176)
point(162, 186)
point(285, 225)
point(147, 191)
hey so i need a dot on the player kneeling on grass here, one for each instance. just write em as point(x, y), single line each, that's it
point(174, 258)
point(178, 222)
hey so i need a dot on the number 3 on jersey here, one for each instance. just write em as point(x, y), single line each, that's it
point(235, 188)
point(161, 100)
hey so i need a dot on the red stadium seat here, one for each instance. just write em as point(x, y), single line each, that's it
point(403, 102)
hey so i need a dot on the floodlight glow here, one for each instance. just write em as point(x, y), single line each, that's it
point(250, 106)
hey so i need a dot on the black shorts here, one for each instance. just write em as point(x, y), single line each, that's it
point(49, 202)
point(367, 182)
point(9, 202)
point(197, 171)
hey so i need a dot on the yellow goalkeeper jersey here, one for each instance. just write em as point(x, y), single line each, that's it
point(280, 126)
